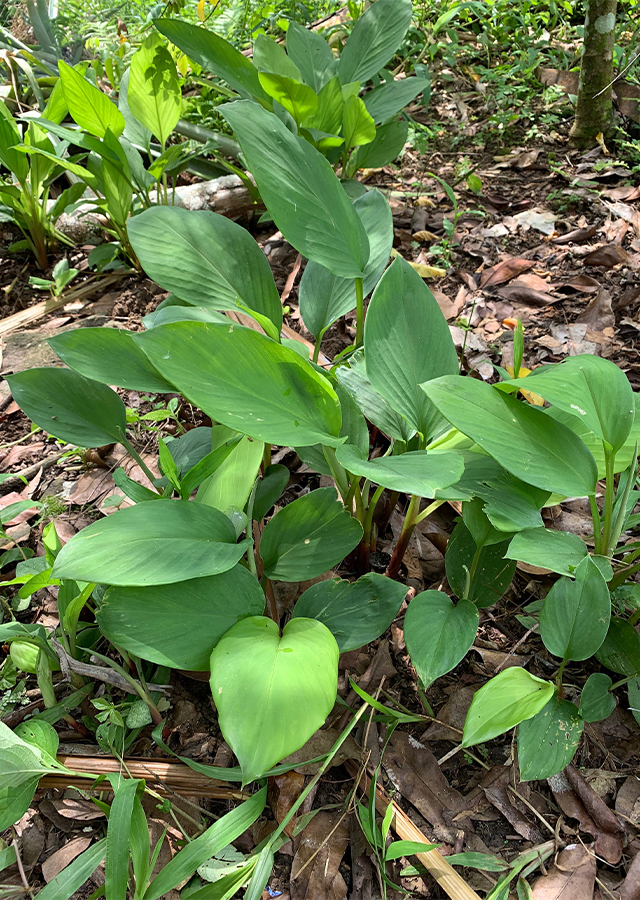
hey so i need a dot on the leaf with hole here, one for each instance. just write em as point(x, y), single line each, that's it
point(285, 686)
point(356, 613)
point(438, 634)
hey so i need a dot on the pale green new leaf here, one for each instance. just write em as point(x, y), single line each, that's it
point(88, 106)
point(299, 100)
point(231, 483)
point(502, 703)
point(269, 56)
point(357, 125)
point(154, 95)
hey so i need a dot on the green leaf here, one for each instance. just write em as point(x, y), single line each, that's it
point(151, 543)
point(116, 867)
point(418, 472)
point(88, 106)
point(328, 116)
point(520, 437)
point(231, 483)
point(109, 355)
point(390, 98)
point(357, 125)
point(299, 100)
point(73, 876)
point(375, 37)
point(179, 625)
point(215, 55)
point(502, 703)
point(311, 54)
point(154, 96)
point(438, 634)
point(219, 835)
point(269, 56)
point(308, 536)
point(355, 614)
point(247, 381)
point(269, 489)
point(373, 405)
point(407, 848)
point(488, 579)
point(384, 148)
point(591, 388)
point(285, 688)
point(10, 158)
point(596, 700)
point(21, 768)
point(576, 613)
point(620, 650)
point(547, 742)
point(559, 551)
point(41, 735)
point(633, 692)
point(300, 190)
point(323, 296)
point(396, 338)
point(206, 259)
point(70, 406)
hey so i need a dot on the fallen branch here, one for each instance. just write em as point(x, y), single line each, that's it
point(437, 865)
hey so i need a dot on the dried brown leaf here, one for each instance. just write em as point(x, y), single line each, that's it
point(62, 857)
point(572, 877)
point(504, 271)
point(608, 256)
point(322, 845)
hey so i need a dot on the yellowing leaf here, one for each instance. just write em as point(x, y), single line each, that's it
point(422, 270)
point(200, 10)
point(529, 396)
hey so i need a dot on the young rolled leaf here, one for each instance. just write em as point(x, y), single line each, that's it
point(596, 700)
point(231, 483)
point(418, 472)
point(402, 320)
point(620, 650)
point(489, 574)
point(547, 742)
point(247, 381)
point(154, 95)
point(311, 54)
point(71, 407)
point(89, 107)
point(152, 543)
point(503, 702)
point(308, 536)
point(324, 297)
point(269, 489)
point(356, 613)
point(376, 36)
point(591, 388)
point(520, 437)
point(109, 355)
point(575, 617)
point(215, 55)
point(205, 259)
point(300, 190)
point(178, 625)
point(284, 686)
point(559, 551)
point(438, 634)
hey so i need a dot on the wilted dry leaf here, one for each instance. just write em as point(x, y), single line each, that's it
point(606, 845)
point(607, 256)
point(518, 292)
point(322, 845)
point(453, 714)
point(62, 857)
point(630, 887)
point(572, 877)
point(284, 790)
point(504, 271)
point(598, 315)
point(495, 785)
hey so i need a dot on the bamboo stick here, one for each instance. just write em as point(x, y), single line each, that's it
point(437, 865)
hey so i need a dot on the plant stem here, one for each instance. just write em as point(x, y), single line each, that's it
point(271, 597)
point(405, 536)
point(266, 459)
point(559, 679)
point(339, 475)
point(608, 500)
point(597, 532)
point(368, 519)
point(133, 452)
point(622, 682)
point(431, 508)
point(359, 311)
point(633, 618)
point(316, 347)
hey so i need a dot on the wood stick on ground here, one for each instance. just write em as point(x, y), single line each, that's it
point(437, 865)
point(157, 773)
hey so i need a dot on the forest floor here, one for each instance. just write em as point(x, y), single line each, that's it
point(552, 237)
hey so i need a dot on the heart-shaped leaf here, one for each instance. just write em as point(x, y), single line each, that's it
point(308, 536)
point(152, 543)
point(596, 700)
point(70, 406)
point(272, 693)
point(178, 625)
point(502, 703)
point(620, 650)
point(576, 612)
point(548, 740)
point(438, 634)
point(355, 613)
point(489, 573)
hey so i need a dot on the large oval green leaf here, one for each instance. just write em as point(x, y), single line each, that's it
point(373, 405)
point(390, 98)
point(547, 741)
point(178, 625)
point(520, 437)
point(355, 614)
point(438, 634)
point(272, 693)
point(300, 190)
point(152, 543)
point(407, 342)
point(575, 616)
point(247, 381)
point(559, 551)
point(593, 389)
point(323, 296)
point(311, 53)
point(508, 699)
point(308, 536)
point(375, 37)
point(111, 356)
point(418, 472)
point(205, 259)
point(620, 650)
point(70, 406)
